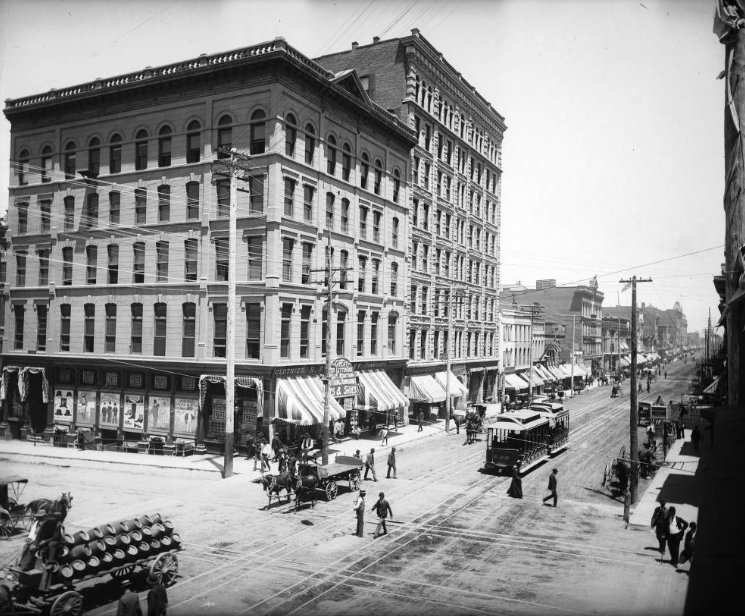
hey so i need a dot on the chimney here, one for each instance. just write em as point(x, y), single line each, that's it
point(355, 44)
point(376, 39)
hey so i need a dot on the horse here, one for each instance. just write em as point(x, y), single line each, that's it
point(59, 506)
point(274, 484)
point(306, 484)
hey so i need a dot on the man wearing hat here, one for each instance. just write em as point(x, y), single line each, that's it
point(129, 604)
point(552, 485)
point(359, 508)
point(26, 561)
point(157, 598)
point(391, 463)
point(382, 508)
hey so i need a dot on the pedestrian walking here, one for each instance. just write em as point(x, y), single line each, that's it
point(276, 446)
point(675, 528)
point(516, 485)
point(282, 462)
point(359, 509)
point(266, 452)
point(250, 448)
point(391, 463)
point(383, 434)
point(687, 554)
point(665, 373)
point(420, 419)
point(552, 486)
point(382, 508)
point(370, 464)
point(129, 604)
point(640, 387)
point(358, 455)
point(658, 524)
point(650, 434)
point(695, 437)
point(157, 597)
point(681, 429)
point(648, 385)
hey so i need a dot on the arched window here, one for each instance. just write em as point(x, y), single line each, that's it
point(331, 155)
point(310, 143)
point(23, 160)
point(46, 164)
point(416, 88)
point(141, 149)
point(394, 234)
point(378, 176)
point(115, 153)
point(164, 147)
point(193, 142)
point(364, 170)
point(290, 135)
point(94, 156)
point(462, 126)
point(70, 160)
point(224, 136)
point(346, 162)
point(396, 185)
point(258, 132)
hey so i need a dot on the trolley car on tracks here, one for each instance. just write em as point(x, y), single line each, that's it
point(558, 424)
point(517, 439)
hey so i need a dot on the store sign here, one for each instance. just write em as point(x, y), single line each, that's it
point(342, 378)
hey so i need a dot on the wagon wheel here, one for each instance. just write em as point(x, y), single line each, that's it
point(354, 480)
point(123, 572)
point(69, 603)
point(6, 526)
point(331, 490)
point(165, 568)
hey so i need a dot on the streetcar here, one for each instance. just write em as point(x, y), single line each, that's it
point(517, 439)
point(558, 424)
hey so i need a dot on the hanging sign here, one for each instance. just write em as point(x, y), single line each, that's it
point(342, 378)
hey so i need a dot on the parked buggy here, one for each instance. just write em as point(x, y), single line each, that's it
point(618, 472)
point(12, 512)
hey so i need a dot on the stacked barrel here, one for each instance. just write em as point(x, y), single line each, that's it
point(96, 550)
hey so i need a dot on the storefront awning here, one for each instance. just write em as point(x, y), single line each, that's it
point(24, 377)
point(556, 372)
point(625, 361)
point(456, 387)
point(513, 381)
point(300, 401)
point(240, 380)
point(425, 389)
point(376, 392)
point(580, 370)
point(640, 359)
point(525, 375)
point(545, 374)
point(566, 371)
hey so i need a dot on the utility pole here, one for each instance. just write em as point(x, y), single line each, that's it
point(237, 166)
point(535, 309)
point(634, 436)
point(574, 329)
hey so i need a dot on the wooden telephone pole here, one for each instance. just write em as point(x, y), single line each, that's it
point(633, 421)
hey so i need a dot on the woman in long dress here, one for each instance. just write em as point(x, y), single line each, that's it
point(516, 486)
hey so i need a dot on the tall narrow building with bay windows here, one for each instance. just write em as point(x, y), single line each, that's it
point(117, 251)
point(454, 220)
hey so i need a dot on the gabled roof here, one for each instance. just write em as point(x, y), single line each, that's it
point(350, 81)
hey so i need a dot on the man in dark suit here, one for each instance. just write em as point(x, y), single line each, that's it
point(129, 604)
point(552, 486)
point(370, 464)
point(659, 525)
point(157, 598)
point(383, 509)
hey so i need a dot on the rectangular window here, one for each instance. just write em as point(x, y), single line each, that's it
point(67, 266)
point(289, 197)
point(394, 233)
point(361, 276)
point(363, 222)
point(69, 213)
point(191, 253)
point(221, 259)
point(307, 262)
point(223, 197)
point(138, 266)
point(114, 207)
point(188, 329)
point(375, 276)
point(45, 210)
point(161, 264)
point(140, 206)
point(220, 312)
point(340, 324)
point(110, 340)
point(41, 327)
point(394, 279)
point(415, 170)
point(426, 175)
point(91, 253)
point(192, 200)
point(113, 268)
point(89, 332)
point(256, 186)
point(360, 333)
point(307, 203)
point(255, 257)
point(115, 159)
point(287, 246)
point(392, 335)
point(346, 165)
point(140, 155)
point(43, 267)
point(284, 335)
point(343, 265)
point(21, 269)
point(164, 203)
point(345, 215)
point(329, 211)
point(304, 331)
point(193, 147)
point(136, 338)
point(161, 322)
point(425, 293)
point(65, 311)
point(253, 331)
point(164, 151)
point(20, 313)
point(374, 333)
point(377, 217)
point(90, 217)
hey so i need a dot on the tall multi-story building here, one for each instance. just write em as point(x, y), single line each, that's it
point(118, 249)
point(454, 220)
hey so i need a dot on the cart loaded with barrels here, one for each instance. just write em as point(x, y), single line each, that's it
point(117, 550)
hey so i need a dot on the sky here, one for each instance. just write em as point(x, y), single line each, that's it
point(613, 159)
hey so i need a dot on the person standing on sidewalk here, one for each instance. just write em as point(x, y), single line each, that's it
point(370, 464)
point(553, 486)
point(382, 508)
point(359, 508)
point(391, 463)
point(675, 528)
point(687, 553)
point(659, 518)
point(420, 419)
point(695, 437)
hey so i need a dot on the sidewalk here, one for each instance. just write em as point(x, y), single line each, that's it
point(677, 483)
point(213, 463)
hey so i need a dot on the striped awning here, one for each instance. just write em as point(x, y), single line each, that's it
point(513, 381)
point(537, 380)
point(300, 401)
point(424, 388)
point(456, 387)
point(625, 361)
point(545, 374)
point(556, 372)
point(376, 392)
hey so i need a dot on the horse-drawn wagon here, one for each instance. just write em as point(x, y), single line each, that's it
point(12, 512)
point(328, 476)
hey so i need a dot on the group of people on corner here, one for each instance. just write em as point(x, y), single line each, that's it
point(516, 486)
point(670, 531)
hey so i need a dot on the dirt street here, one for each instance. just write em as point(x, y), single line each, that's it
point(457, 543)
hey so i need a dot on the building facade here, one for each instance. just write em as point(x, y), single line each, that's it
point(455, 203)
point(118, 250)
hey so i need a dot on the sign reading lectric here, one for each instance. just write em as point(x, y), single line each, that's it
point(342, 378)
